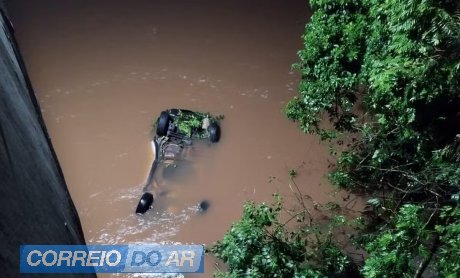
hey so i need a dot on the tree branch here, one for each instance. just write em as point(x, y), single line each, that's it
point(423, 265)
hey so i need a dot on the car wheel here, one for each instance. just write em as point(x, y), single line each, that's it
point(163, 123)
point(214, 132)
point(145, 203)
point(203, 206)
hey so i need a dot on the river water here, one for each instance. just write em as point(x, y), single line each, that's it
point(104, 70)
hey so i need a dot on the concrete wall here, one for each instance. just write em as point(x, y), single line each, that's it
point(35, 205)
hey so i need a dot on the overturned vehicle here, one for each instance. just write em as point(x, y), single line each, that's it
point(175, 130)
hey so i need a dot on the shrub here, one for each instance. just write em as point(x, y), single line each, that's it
point(259, 245)
point(389, 72)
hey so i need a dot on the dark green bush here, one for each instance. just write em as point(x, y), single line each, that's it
point(385, 73)
point(389, 73)
point(259, 245)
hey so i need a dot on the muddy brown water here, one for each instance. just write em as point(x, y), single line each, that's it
point(104, 70)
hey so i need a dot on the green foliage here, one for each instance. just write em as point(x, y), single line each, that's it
point(449, 253)
point(258, 245)
point(251, 249)
point(389, 71)
point(407, 239)
point(394, 250)
point(330, 65)
point(400, 62)
point(190, 123)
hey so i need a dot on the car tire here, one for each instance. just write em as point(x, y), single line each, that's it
point(203, 206)
point(145, 203)
point(214, 132)
point(163, 123)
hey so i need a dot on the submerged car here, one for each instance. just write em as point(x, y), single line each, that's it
point(175, 129)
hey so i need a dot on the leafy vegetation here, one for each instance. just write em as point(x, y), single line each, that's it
point(190, 123)
point(386, 75)
point(260, 245)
